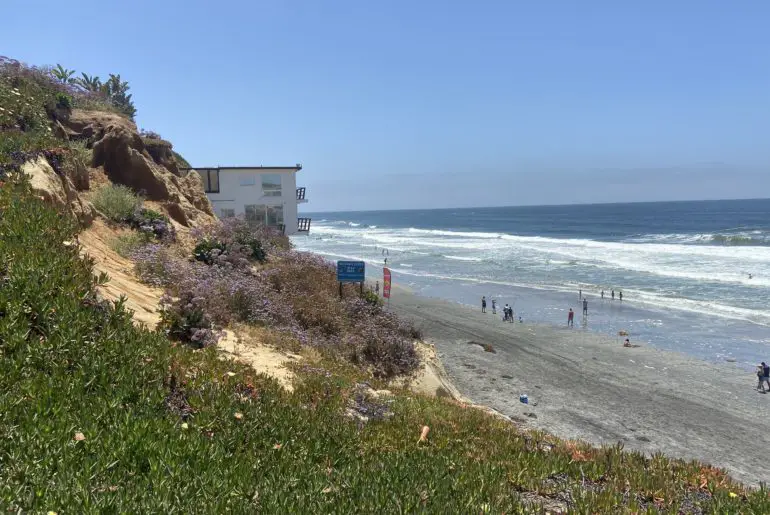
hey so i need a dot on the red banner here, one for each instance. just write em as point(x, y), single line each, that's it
point(386, 283)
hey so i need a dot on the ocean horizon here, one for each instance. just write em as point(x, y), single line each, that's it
point(506, 206)
point(695, 275)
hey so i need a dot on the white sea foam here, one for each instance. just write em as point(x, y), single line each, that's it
point(659, 267)
point(463, 258)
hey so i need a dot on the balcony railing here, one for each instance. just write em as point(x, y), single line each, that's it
point(300, 193)
point(303, 224)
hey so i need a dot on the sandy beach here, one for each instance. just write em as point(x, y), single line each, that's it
point(588, 386)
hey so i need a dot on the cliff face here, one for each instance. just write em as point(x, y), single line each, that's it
point(120, 153)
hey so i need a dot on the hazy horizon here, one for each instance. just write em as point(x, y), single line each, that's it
point(342, 211)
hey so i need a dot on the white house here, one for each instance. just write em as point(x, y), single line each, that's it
point(262, 194)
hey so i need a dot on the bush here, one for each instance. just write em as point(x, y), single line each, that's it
point(232, 241)
point(117, 202)
point(208, 251)
point(155, 264)
point(181, 161)
point(371, 298)
point(63, 101)
point(297, 295)
point(185, 319)
point(153, 223)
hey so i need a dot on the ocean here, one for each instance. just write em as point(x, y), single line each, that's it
point(695, 276)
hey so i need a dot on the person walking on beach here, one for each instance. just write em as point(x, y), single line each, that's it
point(621, 296)
point(602, 294)
point(483, 304)
point(571, 318)
point(506, 309)
point(763, 374)
point(585, 307)
point(613, 294)
point(494, 306)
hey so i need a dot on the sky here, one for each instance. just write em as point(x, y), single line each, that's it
point(404, 104)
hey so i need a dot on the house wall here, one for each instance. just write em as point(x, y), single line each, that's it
point(234, 194)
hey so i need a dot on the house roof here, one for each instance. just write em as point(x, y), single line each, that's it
point(296, 167)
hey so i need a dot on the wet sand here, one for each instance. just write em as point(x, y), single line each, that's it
point(590, 387)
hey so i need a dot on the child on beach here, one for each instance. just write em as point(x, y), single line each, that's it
point(571, 318)
point(494, 306)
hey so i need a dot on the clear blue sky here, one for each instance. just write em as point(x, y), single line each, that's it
point(439, 103)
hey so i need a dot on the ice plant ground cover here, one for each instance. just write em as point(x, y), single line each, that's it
point(99, 416)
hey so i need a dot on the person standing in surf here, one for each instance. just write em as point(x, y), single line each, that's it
point(613, 294)
point(571, 318)
point(494, 306)
point(585, 307)
point(621, 296)
point(602, 294)
point(483, 304)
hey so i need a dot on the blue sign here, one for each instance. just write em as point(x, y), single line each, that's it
point(351, 271)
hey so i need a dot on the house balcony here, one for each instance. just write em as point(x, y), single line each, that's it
point(303, 225)
point(301, 196)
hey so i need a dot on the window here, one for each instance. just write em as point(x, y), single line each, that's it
point(227, 213)
point(274, 215)
point(248, 180)
point(210, 178)
point(253, 214)
point(271, 216)
point(271, 185)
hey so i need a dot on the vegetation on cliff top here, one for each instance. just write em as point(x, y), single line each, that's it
point(33, 100)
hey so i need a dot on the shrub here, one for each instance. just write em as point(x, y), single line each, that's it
point(208, 251)
point(63, 101)
point(232, 241)
point(371, 298)
point(298, 295)
point(154, 223)
point(117, 202)
point(181, 161)
point(144, 133)
point(156, 265)
point(259, 239)
point(185, 319)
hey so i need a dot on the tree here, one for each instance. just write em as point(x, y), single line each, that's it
point(89, 82)
point(62, 74)
point(117, 91)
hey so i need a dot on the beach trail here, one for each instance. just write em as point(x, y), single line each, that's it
point(588, 386)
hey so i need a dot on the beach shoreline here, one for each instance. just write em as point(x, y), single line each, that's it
point(583, 385)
